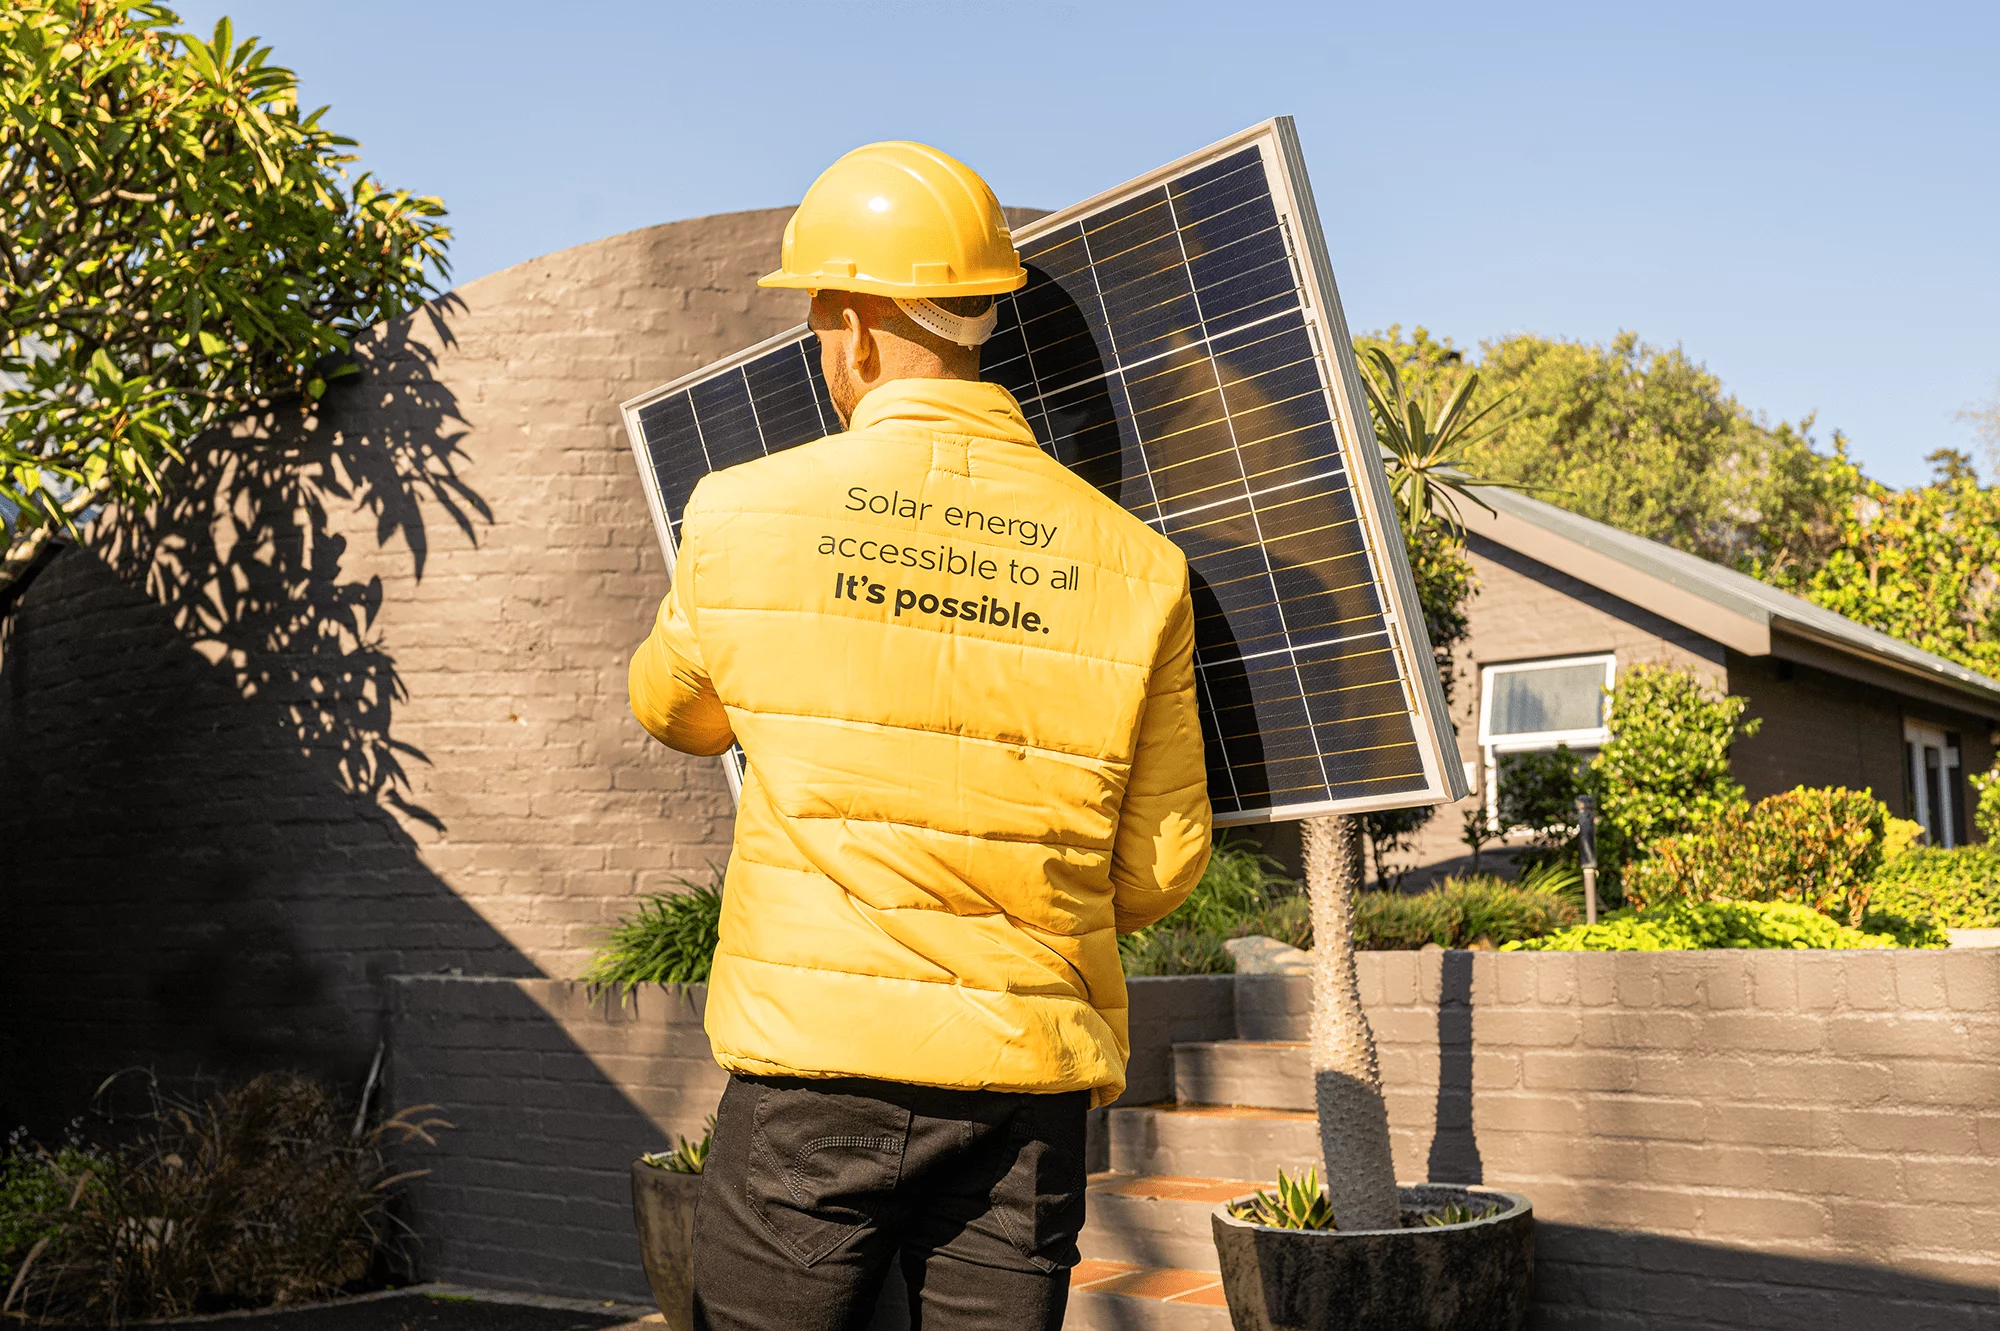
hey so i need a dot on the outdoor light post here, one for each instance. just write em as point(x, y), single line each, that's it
point(1586, 848)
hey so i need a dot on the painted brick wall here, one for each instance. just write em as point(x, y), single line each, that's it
point(1739, 1140)
point(351, 702)
point(1716, 1139)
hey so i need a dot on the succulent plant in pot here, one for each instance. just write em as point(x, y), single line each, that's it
point(1363, 1254)
point(665, 1188)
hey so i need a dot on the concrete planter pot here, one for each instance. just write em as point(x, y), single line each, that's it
point(663, 1212)
point(1470, 1277)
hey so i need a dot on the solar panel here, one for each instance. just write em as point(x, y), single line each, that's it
point(1180, 345)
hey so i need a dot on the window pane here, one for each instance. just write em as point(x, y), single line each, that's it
point(1528, 702)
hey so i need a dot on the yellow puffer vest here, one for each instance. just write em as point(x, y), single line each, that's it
point(963, 681)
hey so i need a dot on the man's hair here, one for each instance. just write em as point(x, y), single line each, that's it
point(965, 307)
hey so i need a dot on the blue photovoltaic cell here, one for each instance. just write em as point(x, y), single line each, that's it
point(1160, 349)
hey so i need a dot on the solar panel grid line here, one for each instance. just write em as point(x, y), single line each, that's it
point(1171, 335)
point(1236, 446)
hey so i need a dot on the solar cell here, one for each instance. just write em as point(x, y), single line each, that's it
point(1180, 345)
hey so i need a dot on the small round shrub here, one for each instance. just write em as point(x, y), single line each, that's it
point(1817, 847)
point(1938, 889)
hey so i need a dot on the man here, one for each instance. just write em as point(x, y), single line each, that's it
point(963, 681)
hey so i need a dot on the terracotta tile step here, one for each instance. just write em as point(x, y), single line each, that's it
point(1124, 1296)
point(1154, 1221)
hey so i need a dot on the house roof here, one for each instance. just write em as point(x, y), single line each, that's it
point(1721, 604)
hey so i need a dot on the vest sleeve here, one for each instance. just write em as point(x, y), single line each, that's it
point(1163, 825)
point(672, 694)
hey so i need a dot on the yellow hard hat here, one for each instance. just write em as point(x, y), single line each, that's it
point(900, 220)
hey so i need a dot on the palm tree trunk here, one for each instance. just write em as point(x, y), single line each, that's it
point(1347, 1084)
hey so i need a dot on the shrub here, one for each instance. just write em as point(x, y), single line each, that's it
point(1456, 913)
point(35, 1188)
point(1698, 925)
point(1818, 847)
point(1174, 949)
point(264, 1194)
point(1665, 769)
point(1935, 889)
point(668, 940)
point(1242, 891)
point(1986, 815)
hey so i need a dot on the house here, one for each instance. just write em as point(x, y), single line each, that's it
point(1565, 603)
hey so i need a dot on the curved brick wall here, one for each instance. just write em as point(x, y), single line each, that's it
point(350, 703)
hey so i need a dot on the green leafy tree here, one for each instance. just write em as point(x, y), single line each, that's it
point(1644, 439)
point(183, 244)
point(1921, 564)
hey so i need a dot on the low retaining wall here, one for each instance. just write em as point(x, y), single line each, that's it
point(1711, 1140)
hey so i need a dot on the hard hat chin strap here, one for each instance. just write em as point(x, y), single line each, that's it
point(928, 314)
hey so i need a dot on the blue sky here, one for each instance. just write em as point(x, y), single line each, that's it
point(1804, 196)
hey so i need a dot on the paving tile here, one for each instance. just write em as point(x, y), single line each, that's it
point(1090, 1272)
point(1158, 1283)
point(1211, 1297)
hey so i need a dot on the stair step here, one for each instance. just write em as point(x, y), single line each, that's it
point(1266, 1074)
point(1155, 1221)
point(1273, 1007)
point(1125, 1296)
point(1212, 1141)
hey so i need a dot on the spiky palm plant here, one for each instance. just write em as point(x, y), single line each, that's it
point(1422, 439)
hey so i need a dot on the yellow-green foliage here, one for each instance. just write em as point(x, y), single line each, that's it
point(1939, 889)
point(1665, 769)
point(1921, 564)
point(1242, 891)
point(1696, 926)
point(1818, 847)
point(669, 939)
point(184, 243)
point(1986, 817)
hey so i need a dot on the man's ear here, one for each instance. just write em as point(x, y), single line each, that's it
point(864, 358)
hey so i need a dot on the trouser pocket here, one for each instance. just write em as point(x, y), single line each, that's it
point(1039, 1202)
point(823, 1165)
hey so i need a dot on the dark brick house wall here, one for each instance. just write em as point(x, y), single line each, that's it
point(1824, 729)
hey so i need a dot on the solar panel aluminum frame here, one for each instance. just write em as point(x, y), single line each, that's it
point(1277, 143)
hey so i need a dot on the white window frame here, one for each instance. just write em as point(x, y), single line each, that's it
point(1491, 748)
point(1918, 736)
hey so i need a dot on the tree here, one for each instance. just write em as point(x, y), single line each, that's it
point(1646, 440)
point(183, 245)
point(1922, 565)
point(1422, 427)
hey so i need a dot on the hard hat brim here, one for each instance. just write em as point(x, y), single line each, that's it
point(992, 286)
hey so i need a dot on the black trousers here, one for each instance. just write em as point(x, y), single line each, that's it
point(813, 1188)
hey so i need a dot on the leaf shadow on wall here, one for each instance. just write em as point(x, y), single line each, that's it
point(209, 810)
